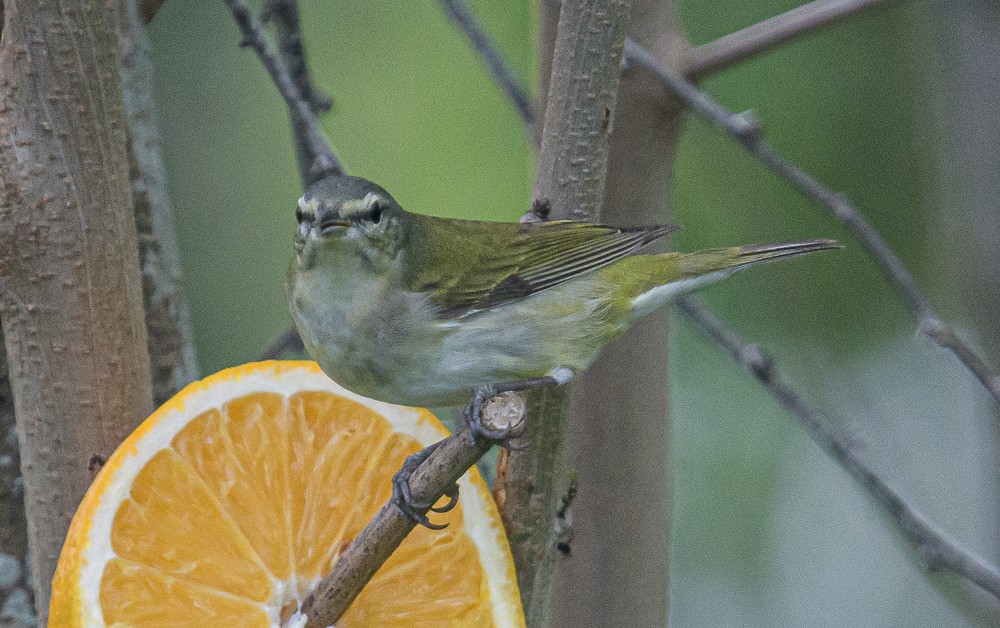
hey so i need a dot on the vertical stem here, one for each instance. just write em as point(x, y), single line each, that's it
point(71, 293)
point(619, 444)
point(168, 319)
point(569, 180)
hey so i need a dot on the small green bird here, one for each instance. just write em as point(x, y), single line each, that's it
point(424, 311)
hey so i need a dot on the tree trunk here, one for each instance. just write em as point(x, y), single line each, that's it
point(619, 440)
point(569, 183)
point(71, 290)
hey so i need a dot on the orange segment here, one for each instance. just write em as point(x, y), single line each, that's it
point(134, 595)
point(229, 503)
point(239, 452)
point(171, 523)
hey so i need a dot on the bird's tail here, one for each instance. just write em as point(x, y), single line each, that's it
point(675, 274)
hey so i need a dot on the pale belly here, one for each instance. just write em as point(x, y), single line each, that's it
point(391, 347)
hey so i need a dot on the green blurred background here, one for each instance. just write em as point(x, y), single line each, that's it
point(767, 532)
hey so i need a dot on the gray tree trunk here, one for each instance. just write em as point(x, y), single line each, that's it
point(70, 286)
point(619, 438)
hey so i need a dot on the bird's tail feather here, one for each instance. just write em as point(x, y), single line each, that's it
point(683, 273)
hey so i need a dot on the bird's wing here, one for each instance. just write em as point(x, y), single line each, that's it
point(533, 258)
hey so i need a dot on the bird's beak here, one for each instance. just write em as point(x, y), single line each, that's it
point(329, 224)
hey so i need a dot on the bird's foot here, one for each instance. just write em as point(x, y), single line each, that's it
point(403, 499)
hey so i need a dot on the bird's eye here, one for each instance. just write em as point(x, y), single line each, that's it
point(298, 214)
point(375, 213)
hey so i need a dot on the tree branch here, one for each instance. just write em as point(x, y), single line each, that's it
point(769, 34)
point(938, 551)
point(620, 570)
point(569, 183)
point(383, 534)
point(323, 162)
point(748, 132)
point(460, 14)
point(285, 15)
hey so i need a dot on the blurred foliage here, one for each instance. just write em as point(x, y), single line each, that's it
point(766, 530)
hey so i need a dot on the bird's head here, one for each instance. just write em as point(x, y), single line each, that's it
point(348, 216)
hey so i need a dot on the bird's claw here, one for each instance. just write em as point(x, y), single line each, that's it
point(403, 499)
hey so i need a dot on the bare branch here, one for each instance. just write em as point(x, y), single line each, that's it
point(938, 551)
point(747, 131)
point(285, 16)
point(324, 162)
point(459, 13)
point(766, 35)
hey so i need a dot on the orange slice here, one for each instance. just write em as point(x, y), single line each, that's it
point(230, 502)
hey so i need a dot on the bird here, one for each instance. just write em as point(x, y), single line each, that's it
point(418, 310)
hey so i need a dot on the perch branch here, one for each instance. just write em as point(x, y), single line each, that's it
point(284, 14)
point(770, 33)
point(938, 551)
point(463, 18)
point(745, 129)
point(383, 534)
point(323, 161)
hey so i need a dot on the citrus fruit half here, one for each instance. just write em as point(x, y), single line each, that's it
point(229, 503)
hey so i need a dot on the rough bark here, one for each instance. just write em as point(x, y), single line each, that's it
point(569, 183)
point(619, 443)
point(168, 320)
point(71, 292)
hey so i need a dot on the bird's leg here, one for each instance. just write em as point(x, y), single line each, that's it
point(503, 436)
point(403, 499)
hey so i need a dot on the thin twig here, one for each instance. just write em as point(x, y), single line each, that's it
point(770, 33)
point(284, 14)
point(288, 342)
point(324, 161)
point(458, 12)
point(938, 551)
point(748, 132)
